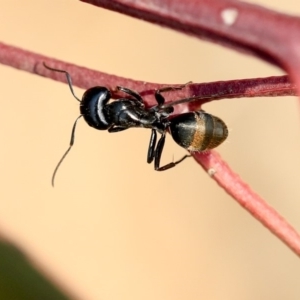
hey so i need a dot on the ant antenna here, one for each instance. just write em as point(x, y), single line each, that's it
point(68, 76)
point(69, 80)
point(68, 150)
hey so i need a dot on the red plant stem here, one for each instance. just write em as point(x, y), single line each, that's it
point(253, 203)
point(86, 78)
point(211, 161)
point(250, 28)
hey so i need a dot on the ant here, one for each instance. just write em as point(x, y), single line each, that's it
point(195, 131)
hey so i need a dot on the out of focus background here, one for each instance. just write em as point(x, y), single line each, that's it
point(113, 228)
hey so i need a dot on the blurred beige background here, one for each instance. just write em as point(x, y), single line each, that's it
point(112, 228)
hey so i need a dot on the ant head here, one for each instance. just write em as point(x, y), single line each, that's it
point(92, 104)
point(91, 109)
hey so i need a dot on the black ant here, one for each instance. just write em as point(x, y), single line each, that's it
point(194, 131)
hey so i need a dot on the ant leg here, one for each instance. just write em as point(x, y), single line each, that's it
point(158, 153)
point(159, 97)
point(130, 92)
point(151, 148)
point(173, 164)
point(116, 129)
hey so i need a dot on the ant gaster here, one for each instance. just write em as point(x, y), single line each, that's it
point(194, 131)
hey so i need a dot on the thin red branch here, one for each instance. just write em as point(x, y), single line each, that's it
point(271, 86)
point(269, 35)
point(250, 28)
point(253, 203)
point(86, 78)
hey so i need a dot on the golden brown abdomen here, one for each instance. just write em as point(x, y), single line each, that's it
point(198, 131)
